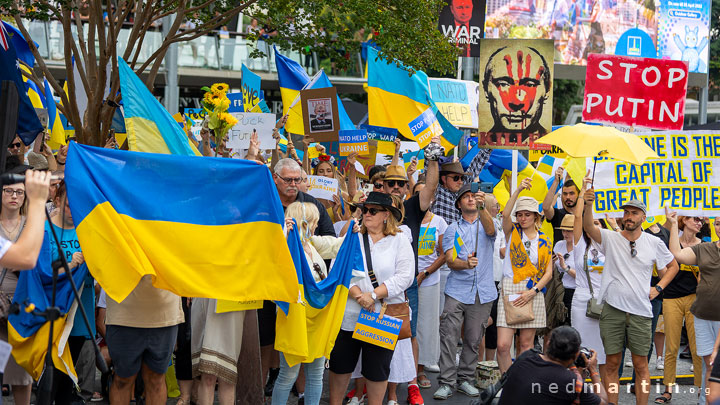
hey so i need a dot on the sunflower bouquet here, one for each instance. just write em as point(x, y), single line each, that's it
point(216, 103)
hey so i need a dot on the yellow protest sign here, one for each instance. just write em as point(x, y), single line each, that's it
point(223, 306)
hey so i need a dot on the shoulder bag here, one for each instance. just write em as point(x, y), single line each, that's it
point(594, 308)
point(400, 311)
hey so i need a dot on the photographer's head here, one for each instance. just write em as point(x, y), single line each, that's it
point(564, 345)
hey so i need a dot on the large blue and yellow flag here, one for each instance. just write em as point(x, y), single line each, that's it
point(201, 227)
point(395, 99)
point(150, 128)
point(28, 333)
point(291, 79)
point(306, 330)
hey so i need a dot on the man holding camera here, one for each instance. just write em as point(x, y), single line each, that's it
point(469, 292)
point(557, 376)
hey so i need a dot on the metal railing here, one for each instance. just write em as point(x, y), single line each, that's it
point(212, 51)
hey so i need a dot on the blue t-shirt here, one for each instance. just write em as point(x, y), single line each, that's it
point(70, 244)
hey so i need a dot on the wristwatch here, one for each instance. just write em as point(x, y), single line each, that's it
point(373, 296)
point(536, 290)
point(567, 268)
point(658, 288)
point(426, 273)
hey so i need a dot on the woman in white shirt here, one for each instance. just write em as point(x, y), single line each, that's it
point(526, 271)
point(565, 260)
point(394, 267)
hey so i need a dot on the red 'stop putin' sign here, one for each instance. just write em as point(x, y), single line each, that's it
point(640, 92)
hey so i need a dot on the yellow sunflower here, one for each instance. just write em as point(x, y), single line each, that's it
point(219, 88)
point(223, 104)
point(229, 119)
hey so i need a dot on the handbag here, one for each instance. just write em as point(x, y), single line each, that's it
point(594, 308)
point(400, 311)
point(515, 315)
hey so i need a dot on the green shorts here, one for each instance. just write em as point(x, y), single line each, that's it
point(616, 326)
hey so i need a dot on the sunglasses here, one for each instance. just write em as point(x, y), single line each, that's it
point(633, 251)
point(392, 183)
point(595, 259)
point(566, 256)
point(14, 145)
point(528, 244)
point(697, 219)
point(372, 211)
point(377, 185)
point(456, 177)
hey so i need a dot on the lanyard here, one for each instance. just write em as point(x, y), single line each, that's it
point(422, 238)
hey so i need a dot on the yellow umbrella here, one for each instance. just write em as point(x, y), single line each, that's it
point(582, 140)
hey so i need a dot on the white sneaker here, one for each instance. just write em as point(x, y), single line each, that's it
point(468, 389)
point(391, 402)
point(432, 368)
point(628, 363)
point(692, 367)
point(356, 401)
point(660, 365)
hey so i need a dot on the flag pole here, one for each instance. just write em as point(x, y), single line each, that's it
point(513, 185)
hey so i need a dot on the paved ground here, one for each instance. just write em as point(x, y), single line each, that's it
point(687, 394)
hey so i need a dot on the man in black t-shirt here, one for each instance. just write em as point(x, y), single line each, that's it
point(395, 182)
point(568, 197)
point(552, 378)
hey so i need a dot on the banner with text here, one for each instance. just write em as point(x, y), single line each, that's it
point(682, 179)
point(639, 92)
point(457, 100)
point(323, 188)
point(353, 141)
point(384, 136)
point(250, 84)
point(424, 127)
point(263, 124)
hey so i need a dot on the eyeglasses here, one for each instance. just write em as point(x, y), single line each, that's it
point(9, 192)
point(291, 180)
point(372, 211)
point(14, 145)
point(528, 244)
point(392, 183)
point(378, 185)
point(455, 178)
point(633, 251)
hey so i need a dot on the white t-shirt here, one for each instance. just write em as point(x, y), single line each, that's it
point(561, 250)
point(430, 234)
point(596, 265)
point(499, 244)
point(4, 246)
point(626, 280)
point(532, 255)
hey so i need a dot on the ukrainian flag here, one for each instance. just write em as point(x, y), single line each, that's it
point(28, 333)
point(499, 168)
point(395, 99)
point(201, 227)
point(457, 245)
point(306, 330)
point(150, 128)
point(292, 78)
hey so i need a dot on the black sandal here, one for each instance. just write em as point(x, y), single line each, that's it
point(663, 399)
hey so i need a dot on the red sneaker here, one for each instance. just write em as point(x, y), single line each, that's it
point(414, 397)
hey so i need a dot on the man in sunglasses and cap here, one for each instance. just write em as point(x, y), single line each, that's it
point(469, 292)
point(630, 256)
point(452, 178)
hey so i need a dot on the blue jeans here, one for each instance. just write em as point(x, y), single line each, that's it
point(288, 375)
point(656, 309)
point(412, 296)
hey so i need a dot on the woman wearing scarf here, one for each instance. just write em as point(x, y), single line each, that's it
point(526, 271)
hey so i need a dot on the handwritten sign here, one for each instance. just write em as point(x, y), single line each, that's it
point(323, 188)
point(457, 100)
point(250, 84)
point(682, 178)
point(379, 332)
point(385, 138)
point(424, 127)
point(353, 141)
point(640, 92)
point(239, 135)
point(223, 306)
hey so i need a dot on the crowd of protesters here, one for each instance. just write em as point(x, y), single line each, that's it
point(470, 272)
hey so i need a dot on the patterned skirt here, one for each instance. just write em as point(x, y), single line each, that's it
point(216, 340)
point(538, 304)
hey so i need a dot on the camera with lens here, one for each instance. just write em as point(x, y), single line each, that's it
point(580, 361)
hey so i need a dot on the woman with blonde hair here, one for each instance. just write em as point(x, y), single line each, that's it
point(384, 282)
point(317, 249)
point(527, 269)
